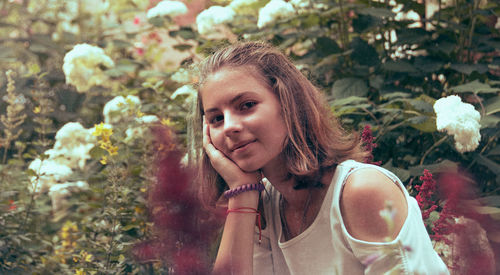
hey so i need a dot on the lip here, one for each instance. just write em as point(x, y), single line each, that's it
point(241, 145)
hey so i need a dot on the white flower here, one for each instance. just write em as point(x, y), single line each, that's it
point(133, 133)
point(119, 108)
point(181, 76)
point(60, 192)
point(215, 15)
point(147, 119)
point(94, 6)
point(167, 8)
point(301, 4)
point(50, 172)
point(460, 120)
point(81, 66)
point(243, 6)
point(72, 146)
point(184, 90)
point(274, 10)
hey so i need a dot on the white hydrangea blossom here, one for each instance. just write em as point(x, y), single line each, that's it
point(301, 4)
point(133, 133)
point(50, 172)
point(184, 90)
point(119, 108)
point(181, 76)
point(213, 16)
point(274, 10)
point(81, 66)
point(60, 192)
point(460, 120)
point(242, 6)
point(72, 146)
point(167, 8)
point(147, 119)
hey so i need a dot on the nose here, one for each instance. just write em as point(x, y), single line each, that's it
point(232, 124)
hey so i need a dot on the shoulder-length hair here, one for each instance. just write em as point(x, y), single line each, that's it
point(315, 142)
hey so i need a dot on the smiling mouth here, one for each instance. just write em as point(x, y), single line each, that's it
point(242, 146)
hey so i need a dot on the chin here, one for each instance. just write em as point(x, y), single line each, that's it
point(249, 167)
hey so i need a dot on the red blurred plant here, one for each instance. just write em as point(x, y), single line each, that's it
point(184, 231)
point(459, 226)
point(367, 139)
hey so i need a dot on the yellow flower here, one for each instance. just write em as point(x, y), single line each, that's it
point(88, 258)
point(139, 113)
point(104, 160)
point(64, 234)
point(167, 122)
point(80, 271)
point(37, 110)
point(102, 130)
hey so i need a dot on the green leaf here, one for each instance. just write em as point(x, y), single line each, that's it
point(185, 32)
point(326, 46)
point(97, 152)
point(122, 44)
point(377, 12)
point(347, 87)
point(364, 53)
point(492, 105)
point(402, 174)
point(352, 100)
point(474, 87)
point(489, 121)
point(492, 165)
point(495, 151)
point(423, 104)
point(182, 47)
point(425, 124)
point(399, 66)
point(469, 68)
point(443, 166)
point(157, 21)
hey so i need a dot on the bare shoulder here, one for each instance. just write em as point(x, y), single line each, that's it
point(365, 194)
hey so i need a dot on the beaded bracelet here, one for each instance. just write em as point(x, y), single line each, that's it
point(243, 188)
point(250, 211)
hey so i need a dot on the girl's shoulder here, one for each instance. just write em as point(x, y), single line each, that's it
point(372, 204)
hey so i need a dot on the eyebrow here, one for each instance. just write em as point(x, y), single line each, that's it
point(232, 101)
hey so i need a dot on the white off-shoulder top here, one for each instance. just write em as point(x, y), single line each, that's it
point(326, 247)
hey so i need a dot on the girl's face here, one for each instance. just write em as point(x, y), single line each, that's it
point(244, 118)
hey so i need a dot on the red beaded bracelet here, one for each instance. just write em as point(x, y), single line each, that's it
point(243, 188)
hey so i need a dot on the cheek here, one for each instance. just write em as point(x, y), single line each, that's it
point(216, 137)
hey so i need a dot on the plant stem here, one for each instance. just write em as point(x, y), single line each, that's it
point(431, 148)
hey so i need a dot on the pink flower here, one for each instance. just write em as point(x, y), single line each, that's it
point(137, 20)
point(367, 139)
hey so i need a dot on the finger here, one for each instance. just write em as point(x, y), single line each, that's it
point(206, 134)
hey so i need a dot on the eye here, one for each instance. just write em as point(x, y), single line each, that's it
point(247, 105)
point(215, 119)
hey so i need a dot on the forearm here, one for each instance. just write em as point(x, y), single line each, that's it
point(235, 254)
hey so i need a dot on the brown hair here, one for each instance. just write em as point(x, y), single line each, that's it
point(316, 141)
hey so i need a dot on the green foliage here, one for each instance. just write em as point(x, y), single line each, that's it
point(374, 69)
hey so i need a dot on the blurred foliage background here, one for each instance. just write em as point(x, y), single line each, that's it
point(76, 148)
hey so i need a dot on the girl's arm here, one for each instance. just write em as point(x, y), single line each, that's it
point(367, 192)
point(235, 255)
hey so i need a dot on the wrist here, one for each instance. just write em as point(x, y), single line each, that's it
point(247, 199)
